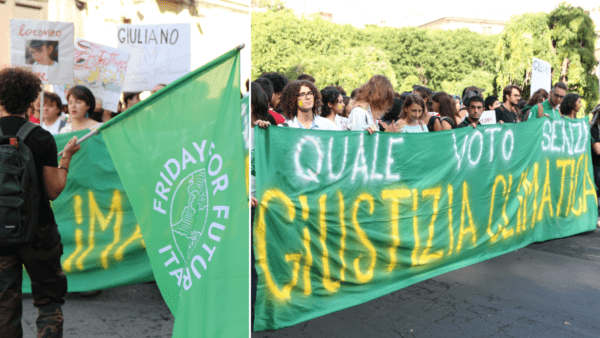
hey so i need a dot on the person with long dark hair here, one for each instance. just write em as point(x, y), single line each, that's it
point(411, 116)
point(444, 105)
point(570, 106)
point(432, 121)
point(333, 106)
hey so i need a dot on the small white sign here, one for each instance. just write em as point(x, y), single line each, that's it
point(541, 75)
point(160, 54)
point(488, 117)
point(46, 47)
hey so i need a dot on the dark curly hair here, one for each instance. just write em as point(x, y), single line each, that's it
point(289, 98)
point(329, 95)
point(19, 87)
point(278, 80)
point(568, 103)
point(378, 93)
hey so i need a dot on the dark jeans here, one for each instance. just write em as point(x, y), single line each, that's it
point(48, 286)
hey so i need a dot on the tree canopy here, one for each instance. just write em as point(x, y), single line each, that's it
point(439, 59)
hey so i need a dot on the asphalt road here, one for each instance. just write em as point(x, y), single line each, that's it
point(549, 289)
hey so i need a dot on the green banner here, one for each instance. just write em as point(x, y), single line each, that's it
point(345, 217)
point(103, 244)
point(179, 154)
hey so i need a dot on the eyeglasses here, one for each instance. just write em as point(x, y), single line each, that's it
point(306, 95)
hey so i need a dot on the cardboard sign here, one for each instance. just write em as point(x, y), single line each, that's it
point(100, 68)
point(488, 117)
point(541, 75)
point(46, 47)
point(160, 54)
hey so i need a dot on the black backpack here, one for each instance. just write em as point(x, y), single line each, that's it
point(19, 193)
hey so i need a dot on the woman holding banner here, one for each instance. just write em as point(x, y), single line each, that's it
point(82, 104)
point(373, 100)
point(412, 114)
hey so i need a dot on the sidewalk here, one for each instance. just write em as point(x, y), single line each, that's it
point(128, 311)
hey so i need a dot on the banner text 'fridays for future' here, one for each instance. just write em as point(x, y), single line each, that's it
point(346, 217)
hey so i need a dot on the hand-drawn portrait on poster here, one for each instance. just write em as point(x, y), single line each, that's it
point(100, 68)
point(159, 54)
point(46, 47)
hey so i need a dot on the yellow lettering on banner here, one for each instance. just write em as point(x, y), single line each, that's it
point(546, 194)
point(261, 244)
point(494, 236)
point(591, 191)
point(450, 227)
point(426, 256)
point(561, 164)
point(78, 202)
point(137, 235)
point(535, 187)
point(343, 239)
point(395, 195)
point(364, 277)
point(471, 228)
point(415, 226)
point(330, 285)
point(116, 211)
point(308, 260)
point(571, 186)
point(67, 265)
point(522, 211)
point(304, 204)
point(507, 233)
point(579, 199)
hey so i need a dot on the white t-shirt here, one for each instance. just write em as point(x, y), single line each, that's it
point(53, 128)
point(360, 119)
point(317, 123)
point(341, 122)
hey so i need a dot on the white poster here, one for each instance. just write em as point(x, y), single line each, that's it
point(488, 117)
point(101, 69)
point(541, 75)
point(160, 54)
point(44, 46)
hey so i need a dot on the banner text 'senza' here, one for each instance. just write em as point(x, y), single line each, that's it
point(345, 217)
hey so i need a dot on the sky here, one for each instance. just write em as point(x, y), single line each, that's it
point(418, 12)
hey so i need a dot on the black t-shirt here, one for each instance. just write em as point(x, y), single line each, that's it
point(503, 114)
point(43, 147)
point(595, 134)
point(431, 122)
point(465, 123)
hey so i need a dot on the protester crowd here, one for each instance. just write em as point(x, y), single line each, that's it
point(376, 107)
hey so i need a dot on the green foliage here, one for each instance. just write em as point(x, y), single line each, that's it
point(282, 42)
point(572, 32)
point(479, 78)
point(350, 69)
point(524, 37)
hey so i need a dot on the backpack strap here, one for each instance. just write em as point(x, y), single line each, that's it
point(25, 129)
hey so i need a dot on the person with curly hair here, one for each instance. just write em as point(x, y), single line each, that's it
point(300, 101)
point(570, 106)
point(374, 99)
point(41, 256)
